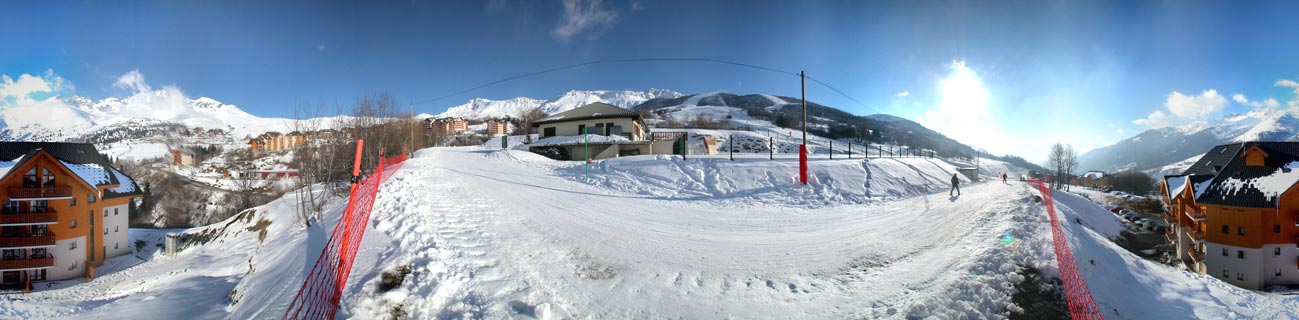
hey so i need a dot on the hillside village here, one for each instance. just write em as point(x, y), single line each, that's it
point(591, 159)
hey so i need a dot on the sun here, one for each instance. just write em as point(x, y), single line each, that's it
point(962, 92)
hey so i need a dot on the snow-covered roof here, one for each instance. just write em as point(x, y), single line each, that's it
point(125, 184)
point(1176, 185)
point(91, 173)
point(5, 166)
point(577, 140)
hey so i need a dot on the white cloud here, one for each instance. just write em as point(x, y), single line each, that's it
point(1185, 108)
point(1290, 84)
point(21, 90)
point(1269, 103)
point(134, 81)
point(904, 93)
point(320, 48)
point(582, 16)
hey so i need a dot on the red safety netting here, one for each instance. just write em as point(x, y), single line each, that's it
point(320, 293)
point(1081, 305)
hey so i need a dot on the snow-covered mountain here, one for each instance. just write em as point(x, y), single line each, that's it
point(76, 117)
point(1164, 147)
point(480, 108)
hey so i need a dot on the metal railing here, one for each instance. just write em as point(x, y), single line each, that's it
point(27, 241)
point(47, 192)
point(47, 261)
point(30, 217)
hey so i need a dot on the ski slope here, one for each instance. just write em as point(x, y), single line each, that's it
point(510, 234)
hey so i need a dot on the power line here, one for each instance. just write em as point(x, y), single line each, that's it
point(604, 61)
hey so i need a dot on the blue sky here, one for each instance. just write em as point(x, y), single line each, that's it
point(1086, 73)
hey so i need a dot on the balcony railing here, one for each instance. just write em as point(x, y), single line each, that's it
point(27, 241)
point(47, 261)
point(1195, 215)
point(1195, 253)
point(47, 192)
point(31, 217)
point(1195, 234)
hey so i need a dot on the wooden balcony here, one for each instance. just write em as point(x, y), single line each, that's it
point(46, 216)
point(1195, 215)
point(1195, 253)
point(27, 241)
point(1195, 234)
point(37, 193)
point(47, 261)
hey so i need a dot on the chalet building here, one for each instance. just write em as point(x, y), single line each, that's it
point(497, 127)
point(65, 211)
point(1235, 213)
point(182, 157)
point(611, 132)
point(447, 126)
point(274, 141)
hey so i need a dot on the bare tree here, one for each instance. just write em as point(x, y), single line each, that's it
point(1070, 163)
point(526, 118)
point(1064, 160)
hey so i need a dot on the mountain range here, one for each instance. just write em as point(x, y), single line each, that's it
point(480, 108)
point(106, 120)
point(1159, 151)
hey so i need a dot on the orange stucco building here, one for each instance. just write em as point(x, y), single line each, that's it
point(1235, 213)
point(65, 211)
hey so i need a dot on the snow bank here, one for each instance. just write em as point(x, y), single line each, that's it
point(1126, 286)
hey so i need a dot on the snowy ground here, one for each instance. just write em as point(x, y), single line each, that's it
point(510, 234)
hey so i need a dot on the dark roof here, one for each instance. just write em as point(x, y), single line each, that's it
point(598, 110)
point(1214, 160)
point(74, 153)
point(1226, 187)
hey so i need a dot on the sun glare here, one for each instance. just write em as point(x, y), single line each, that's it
point(962, 92)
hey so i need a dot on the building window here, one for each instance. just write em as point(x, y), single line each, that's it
point(1240, 276)
point(1225, 274)
point(548, 132)
point(1225, 229)
point(1277, 272)
point(1240, 254)
point(29, 179)
point(115, 211)
point(115, 245)
point(90, 198)
point(115, 231)
point(73, 202)
point(105, 213)
point(1276, 228)
point(72, 245)
point(1276, 251)
point(73, 225)
point(1240, 230)
point(1224, 252)
point(581, 129)
point(48, 179)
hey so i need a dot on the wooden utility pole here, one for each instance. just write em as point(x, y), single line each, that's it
point(802, 149)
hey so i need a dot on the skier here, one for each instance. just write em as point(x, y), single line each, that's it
point(955, 186)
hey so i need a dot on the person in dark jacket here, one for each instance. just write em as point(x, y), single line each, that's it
point(956, 183)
